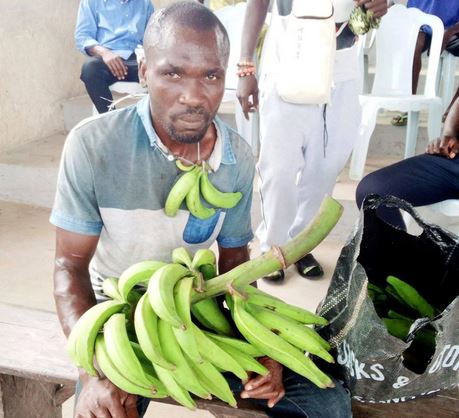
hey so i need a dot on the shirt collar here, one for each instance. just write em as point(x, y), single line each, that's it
point(223, 133)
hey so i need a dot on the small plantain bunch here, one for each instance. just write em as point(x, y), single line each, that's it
point(151, 339)
point(362, 20)
point(399, 305)
point(193, 183)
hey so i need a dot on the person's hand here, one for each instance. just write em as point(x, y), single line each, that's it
point(269, 387)
point(100, 398)
point(247, 94)
point(115, 64)
point(446, 146)
point(378, 7)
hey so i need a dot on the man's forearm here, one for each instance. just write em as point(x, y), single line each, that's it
point(97, 51)
point(73, 293)
point(255, 16)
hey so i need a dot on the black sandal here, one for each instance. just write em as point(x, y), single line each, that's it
point(276, 277)
point(309, 268)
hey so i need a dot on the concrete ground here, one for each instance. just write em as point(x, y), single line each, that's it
point(27, 184)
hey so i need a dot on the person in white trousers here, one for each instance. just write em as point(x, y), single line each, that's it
point(303, 148)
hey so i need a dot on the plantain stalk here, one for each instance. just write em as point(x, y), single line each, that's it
point(326, 218)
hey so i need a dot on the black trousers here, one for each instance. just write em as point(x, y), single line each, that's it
point(420, 180)
point(98, 78)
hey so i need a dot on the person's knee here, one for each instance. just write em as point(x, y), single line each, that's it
point(91, 69)
point(368, 185)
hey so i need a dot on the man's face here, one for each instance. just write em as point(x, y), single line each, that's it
point(186, 81)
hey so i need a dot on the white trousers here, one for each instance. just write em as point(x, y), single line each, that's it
point(301, 155)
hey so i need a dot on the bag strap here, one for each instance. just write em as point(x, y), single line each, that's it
point(374, 201)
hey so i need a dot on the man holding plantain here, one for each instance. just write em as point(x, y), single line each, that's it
point(115, 175)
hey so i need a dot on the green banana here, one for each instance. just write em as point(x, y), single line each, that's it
point(182, 166)
point(181, 256)
point(208, 271)
point(248, 363)
point(276, 347)
point(411, 297)
point(110, 288)
point(180, 191)
point(203, 256)
point(209, 314)
point(194, 204)
point(82, 338)
point(183, 374)
point(215, 197)
point(397, 327)
point(146, 329)
point(175, 391)
point(293, 332)
point(218, 357)
point(260, 298)
point(213, 381)
point(122, 353)
point(185, 337)
point(240, 345)
point(161, 292)
point(137, 273)
point(114, 375)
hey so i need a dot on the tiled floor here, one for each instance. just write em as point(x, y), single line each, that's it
point(27, 181)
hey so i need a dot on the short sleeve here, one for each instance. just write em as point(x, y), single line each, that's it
point(75, 206)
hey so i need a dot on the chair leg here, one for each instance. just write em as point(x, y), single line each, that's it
point(434, 121)
point(448, 74)
point(411, 133)
point(359, 154)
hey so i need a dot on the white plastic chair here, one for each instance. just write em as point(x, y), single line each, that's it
point(395, 44)
point(232, 17)
point(446, 76)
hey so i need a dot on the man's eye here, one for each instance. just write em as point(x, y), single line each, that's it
point(172, 74)
point(212, 77)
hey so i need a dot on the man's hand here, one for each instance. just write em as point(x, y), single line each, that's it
point(99, 398)
point(115, 64)
point(446, 146)
point(378, 7)
point(248, 88)
point(269, 387)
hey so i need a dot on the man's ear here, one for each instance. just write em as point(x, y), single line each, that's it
point(142, 72)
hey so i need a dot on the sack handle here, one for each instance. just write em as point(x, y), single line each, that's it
point(374, 201)
point(317, 17)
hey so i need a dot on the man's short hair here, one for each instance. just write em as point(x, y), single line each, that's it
point(187, 14)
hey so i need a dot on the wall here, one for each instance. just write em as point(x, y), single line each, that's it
point(40, 67)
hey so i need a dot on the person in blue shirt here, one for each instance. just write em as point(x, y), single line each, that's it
point(448, 12)
point(108, 31)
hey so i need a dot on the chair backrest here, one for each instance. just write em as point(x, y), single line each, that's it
point(232, 18)
point(395, 44)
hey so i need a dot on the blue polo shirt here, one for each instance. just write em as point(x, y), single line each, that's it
point(446, 10)
point(113, 182)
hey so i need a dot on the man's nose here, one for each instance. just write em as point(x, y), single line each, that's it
point(192, 94)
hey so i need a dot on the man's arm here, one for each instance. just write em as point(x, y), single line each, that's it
point(448, 145)
point(255, 16)
point(73, 295)
point(85, 38)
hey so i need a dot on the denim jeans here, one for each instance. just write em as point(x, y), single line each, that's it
point(302, 399)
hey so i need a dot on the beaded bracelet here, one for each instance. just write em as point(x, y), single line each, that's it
point(245, 68)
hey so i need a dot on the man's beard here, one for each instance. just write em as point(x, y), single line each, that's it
point(191, 138)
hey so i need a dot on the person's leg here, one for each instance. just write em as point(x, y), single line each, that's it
point(304, 399)
point(97, 78)
point(452, 48)
point(327, 151)
point(282, 132)
point(420, 180)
